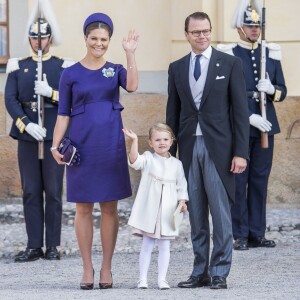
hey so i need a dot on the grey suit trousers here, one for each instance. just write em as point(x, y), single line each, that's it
point(207, 194)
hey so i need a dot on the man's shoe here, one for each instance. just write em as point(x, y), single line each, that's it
point(218, 282)
point(29, 255)
point(194, 282)
point(52, 253)
point(261, 242)
point(19, 254)
point(240, 244)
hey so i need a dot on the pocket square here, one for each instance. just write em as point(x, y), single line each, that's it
point(220, 77)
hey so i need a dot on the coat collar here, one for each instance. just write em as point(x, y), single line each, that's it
point(213, 70)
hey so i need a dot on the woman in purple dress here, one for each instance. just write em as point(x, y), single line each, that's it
point(89, 105)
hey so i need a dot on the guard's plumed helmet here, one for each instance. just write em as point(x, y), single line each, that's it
point(251, 17)
point(247, 13)
point(45, 29)
point(49, 26)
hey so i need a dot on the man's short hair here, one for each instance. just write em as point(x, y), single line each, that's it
point(198, 16)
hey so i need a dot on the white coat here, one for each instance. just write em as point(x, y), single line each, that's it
point(162, 181)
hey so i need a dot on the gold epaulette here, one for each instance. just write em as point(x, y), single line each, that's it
point(20, 124)
point(13, 64)
point(68, 62)
point(226, 48)
point(274, 51)
point(55, 56)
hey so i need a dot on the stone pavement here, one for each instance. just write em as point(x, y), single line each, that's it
point(283, 225)
point(256, 274)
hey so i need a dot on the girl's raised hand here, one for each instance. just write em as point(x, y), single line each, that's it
point(128, 132)
point(130, 43)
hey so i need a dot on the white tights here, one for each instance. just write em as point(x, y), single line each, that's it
point(163, 257)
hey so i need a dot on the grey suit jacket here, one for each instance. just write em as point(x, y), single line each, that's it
point(223, 113)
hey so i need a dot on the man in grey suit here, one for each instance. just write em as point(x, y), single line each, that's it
point(208, 112)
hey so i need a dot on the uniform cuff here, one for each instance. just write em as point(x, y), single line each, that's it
point(20, 124)
point(54, 96)
point(277, 95)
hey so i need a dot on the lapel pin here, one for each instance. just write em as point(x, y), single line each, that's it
point(218, 65)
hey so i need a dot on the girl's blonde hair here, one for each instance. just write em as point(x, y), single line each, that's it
point(161, 127)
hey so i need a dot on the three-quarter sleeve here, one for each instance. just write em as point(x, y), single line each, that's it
point(122, 76)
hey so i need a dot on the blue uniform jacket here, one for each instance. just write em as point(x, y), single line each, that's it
point(20, 88)
point(251, 64)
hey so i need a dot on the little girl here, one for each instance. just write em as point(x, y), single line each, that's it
point(162, 188)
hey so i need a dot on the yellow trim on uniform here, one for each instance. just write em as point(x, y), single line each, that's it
point(247, 45)
point(277, 95)
point(54, 96)
point(44, 56)
point(20, 124)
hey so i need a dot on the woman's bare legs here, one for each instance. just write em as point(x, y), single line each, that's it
point(109, 231)
point(84, 233)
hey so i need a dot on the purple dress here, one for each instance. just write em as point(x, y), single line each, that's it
point(91, 99)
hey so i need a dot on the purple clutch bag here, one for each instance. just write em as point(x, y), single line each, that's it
point(70, 153)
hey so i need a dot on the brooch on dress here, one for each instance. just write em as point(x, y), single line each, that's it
point(110, 72)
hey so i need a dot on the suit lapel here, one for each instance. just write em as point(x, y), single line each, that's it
point(184, 71)
point(213, 69)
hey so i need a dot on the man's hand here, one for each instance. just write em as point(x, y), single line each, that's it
point(36, 131)
point(261, 124)
point(42, 87)
point(265, 85)
point(238, 165)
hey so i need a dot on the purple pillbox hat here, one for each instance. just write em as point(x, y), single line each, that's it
point(98, 17)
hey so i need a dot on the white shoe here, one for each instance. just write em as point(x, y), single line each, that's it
point(142, 284)
point(163, 285)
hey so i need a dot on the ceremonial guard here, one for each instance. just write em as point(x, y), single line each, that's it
point(249, 210)
point(41, 176)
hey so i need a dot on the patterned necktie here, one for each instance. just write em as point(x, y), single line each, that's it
point(197, 69)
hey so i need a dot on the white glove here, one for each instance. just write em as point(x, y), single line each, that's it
point(261, 124)
point(42, 87)
point(36, 131)
point(265, 85)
